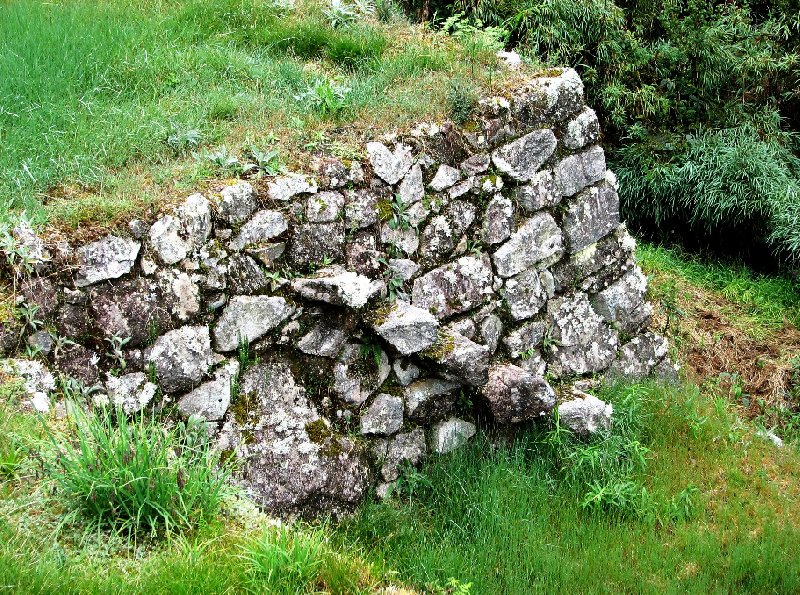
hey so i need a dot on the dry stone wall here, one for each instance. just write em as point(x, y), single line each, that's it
point(336, 325)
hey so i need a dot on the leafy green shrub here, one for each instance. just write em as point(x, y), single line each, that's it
point(136, 474)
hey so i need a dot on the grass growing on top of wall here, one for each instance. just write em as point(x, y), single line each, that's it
point(106, 108)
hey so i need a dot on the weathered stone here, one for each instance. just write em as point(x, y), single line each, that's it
point(363, 256)
point(267, 254)
point(522, 158)
point(449, 435)
point(408, 448)
point(36, 379)
point(623, 304)
point(166, 241)
point(330, 172)
point(384, 416)
point(403, 268)
point(465, 326)
point(405, 371)
point(551, 99)
point(356, 375)
point(406, 240)
point(388, 166)
point(76, 361)
point(131, 392)
point(248, 318)
point(181, 294)
point(638, 358)
point(326, 339)
point(195, 217)
point(537, 243)
point(454, 288)
point(526, 293)
point(361, 208)
point(533, 363)
point(589, 216)
point(263, 227)
point(525, 338)
point(41, 342)
point(338, 286)
point(576, 172)
point(28, 242)
point(316, 243)
point(109, 258)
point(42, 293)
point(283, 188)
point(431, 398)
point(582, 342)
point(476, 165)
point(539, 193)
point(514, 395)
point(211, 399)
point(462, 359)
point(407, 328)
point(491, 329)
point(291, 460)
point(445, 177)
point(324, 207)
point(181, 358)
point(585, 415)
point(72, 320)
point(244, 275)
point(598, 265)
point(498, 220)
point(412, 189)
point(582, 130)
point(236, 203)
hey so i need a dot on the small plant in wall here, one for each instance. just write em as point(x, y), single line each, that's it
point(399, 217)
point(395, 285)
point(115, 352)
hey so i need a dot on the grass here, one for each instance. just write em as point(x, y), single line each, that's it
point(106, 126)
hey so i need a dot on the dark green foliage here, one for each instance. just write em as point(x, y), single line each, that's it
point(462, 101)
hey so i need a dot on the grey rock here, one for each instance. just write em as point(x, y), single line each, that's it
point(324, 207)
point(589, 216)
point(525, 294)
point(211, 399)
point(387, 165)
point(181, 358)
point(316, 242)
point(267, 254)
point(491, 329)
point(431, 398)
point(522, 158)
point(330, 172)
point(539, 193)
point(585, 415)
point(236, 203)
point(291, 461)
point(406, 240)
point(338, 286)
point(525, 338)
point(361, 208)
point(409, 448)
point(109, 258)
point(37, 380)
point(181, 294)
point(533, 363)
point(166, 241)
point(356, 376)
point(244, 275)
point(326, 339)
point(412, 189)
point(405, 371)
point(283, 188)
point(195, 217)
point(362, 255)
point(76, 361)
point(498, 220)
point(131, 392)
point(40, 292)
point(476, 165)
point(515, 395)
point(582, 130)
point(263, 227)
point(549, 99)
point(449, 435)
point(384, 416)
point(462, 359)
point(576, 172)
point(582, 342)
point(537, 243)
point(465, 326)
point(770, 436)
point(597, 265)
point(462, 188)
point(445, 177)
point(138, 229)
point(403, 268)
point(407, 328)
point(248, 318)
point(639, 357)
point(454, 288)
point(41, 341)
point(437, 239)
point(31, 244)
point(623, 305)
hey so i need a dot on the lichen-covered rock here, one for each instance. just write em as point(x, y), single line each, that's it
point(525, 294)
point(537, 243)
point(639, 357)
point(28, 242)
point(549, 99)
point(384, 416)
point(582, 130)
point(236, 203)
point(476, 164)
point(449, 435)
point(525, 338)
point(109, 258)
point(131, 392)
point(409, 448)
point(576, 172)
point(41, 342)
point(338, 286)
point(407, 328)
point(291, 460)
point(589, 216)
point(36, 379)
point(431, 398)
point(445, 177)
point(522, 158)
point(247, 318)
point(515, 395)
point(403, 268)
point(324, 207)
point(387, 165)
point(412, 189)
point(498, 220)
point(463, 360)
point(491, 330)
point(454, 288)
point(76, 361)
point(166, 241)
point(406, 239)
point(267, 253)
point(282, 188)
point(623, 304)
point(597, 265)
point(357, 374)
point(314, 243)
point(195, 217)
point(581, 341)
point(263, 227)
point(181, 358)
point(42, 293)
point(244, 275)
point(585, 415)
point(326, 338)
point(539, 193)
point(211, 399)
point(405, 371)
point(361, 208)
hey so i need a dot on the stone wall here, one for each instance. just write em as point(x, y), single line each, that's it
point(337, 325)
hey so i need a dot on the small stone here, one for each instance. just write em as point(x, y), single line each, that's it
point(267, 254)
point(330, 172)
point(384, 416)
point(324, 207)
point(326, 339)
point(526, 293)
point(109, 258)
point(445, 177)
point(405, 371)
point(498, 220)
point(411, 188)
point(263, 227)
point(166, 241)
point(522, 158)
point(248, 318)
point(195, 217)
point(407, 328)
point(36, 378)
point(539, 193)
point(514, 395)
point(131, 392)
point(537, 243)
point(406, 240)
point(76, 361)
point(409, 448)
point(585, 415)
point(282, 188)
point(357, 375)
point(465, 326)
point(582, 130)
point(403, 268)
point(236, 203)
point(549, 99)
point(463, 359)
point(361, 208)
point(138, 229)
point(476, 165)
point(525, 338)
point(511, 60)
point(639, 357)
point(388, 166)
point(41, 341)
point(338, 286)
point(454, 288)
point(244, 275)
point(449, 435)
point(211, 399)
point(181, 358)
point(430, 399)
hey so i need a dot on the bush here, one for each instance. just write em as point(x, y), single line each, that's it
point(136, 474)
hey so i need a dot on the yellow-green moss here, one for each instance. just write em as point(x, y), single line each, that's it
point(445, 343)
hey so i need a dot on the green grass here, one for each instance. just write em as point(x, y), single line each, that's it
point(96, 96)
